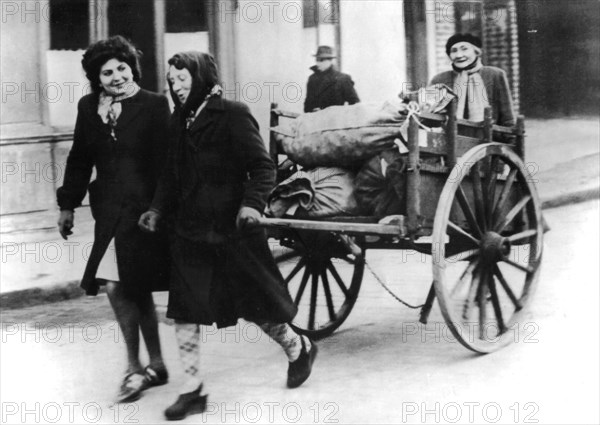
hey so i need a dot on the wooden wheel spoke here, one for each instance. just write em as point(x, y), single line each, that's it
point(470, 255)
point(348, 260)
point(491, 189)
point(303, 283)
point(286, 256)
point(313, 300)
point(328, 297)
point(496, 304)
point(463, 233)
point(482, 302)
point(467, 211)
point(513, 213)
point(517, 265)
point(499, 207)
point(461, 281)
point(337, 278)
point(507, 289)
point(478, 196)
point(523, 235)
point(295, 271)
point(470, 301)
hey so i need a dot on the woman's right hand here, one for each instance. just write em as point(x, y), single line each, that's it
point(148, 221)
point(66, 221)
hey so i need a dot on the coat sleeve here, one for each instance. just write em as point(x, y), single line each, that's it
point(165, 195)
point(251, 153)
point(506, 112)
point(310, 101)
point(78, 170)
point(160, 134)
point(348, 92)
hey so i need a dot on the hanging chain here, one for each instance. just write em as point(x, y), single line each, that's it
point(382, 283)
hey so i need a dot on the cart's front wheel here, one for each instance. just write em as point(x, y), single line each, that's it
point(487, 247)
point(323, 277)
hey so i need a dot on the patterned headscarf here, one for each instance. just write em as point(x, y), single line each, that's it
point(109, 107)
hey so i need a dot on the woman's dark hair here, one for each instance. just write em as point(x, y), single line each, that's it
point(116, 47)
point(205, 75)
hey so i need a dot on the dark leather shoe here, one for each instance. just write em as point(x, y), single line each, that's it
point(131, 388)
point(187, 404)
point(154, 377)
point(299, 370)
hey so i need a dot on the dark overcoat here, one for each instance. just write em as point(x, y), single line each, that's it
point(219, 273)
point(329, 88)
point(497, 91)
point(127, 172)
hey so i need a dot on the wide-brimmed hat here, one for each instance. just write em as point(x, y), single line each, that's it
point(457, 38)
point(325, 52)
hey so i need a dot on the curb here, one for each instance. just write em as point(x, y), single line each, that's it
point(71, 290)
point(35, 296)
point(571, 198)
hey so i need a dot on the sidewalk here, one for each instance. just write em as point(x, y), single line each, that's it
point(563, 157)
point(63, 362)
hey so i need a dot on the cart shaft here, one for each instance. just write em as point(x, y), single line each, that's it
point(398, 230)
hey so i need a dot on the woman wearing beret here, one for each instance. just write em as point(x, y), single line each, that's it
point(476, 85)
point(216, 183)
point(122, 132)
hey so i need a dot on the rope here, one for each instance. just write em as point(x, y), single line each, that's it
point(381, 282)
point(413, 112)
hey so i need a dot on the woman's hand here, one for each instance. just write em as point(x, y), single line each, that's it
point(246, 217)
point(66, 221)
point(148, 221)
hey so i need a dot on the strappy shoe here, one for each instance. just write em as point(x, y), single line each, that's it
point(131, 388)
point(187, 404)
point(300, 369)
point(155, 377)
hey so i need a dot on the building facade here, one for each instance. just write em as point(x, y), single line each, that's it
point(264, 50)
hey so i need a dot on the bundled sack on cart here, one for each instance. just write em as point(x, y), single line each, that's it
point(319, 192)
point(346, 136)
point(380, 185)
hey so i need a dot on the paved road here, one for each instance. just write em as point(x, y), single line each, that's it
point(381, 367)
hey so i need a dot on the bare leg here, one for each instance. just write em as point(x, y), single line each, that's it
point(127, 314)
point(149, 326)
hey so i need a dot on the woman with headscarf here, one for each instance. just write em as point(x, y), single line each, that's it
point(122, 132)
point(476, 85)
point(216, 183)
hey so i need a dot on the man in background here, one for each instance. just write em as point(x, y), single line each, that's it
point(327, 86)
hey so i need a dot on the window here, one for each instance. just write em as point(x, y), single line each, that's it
point(186, 16)
point(468, 15)
point(318, 12)
point(69, 24)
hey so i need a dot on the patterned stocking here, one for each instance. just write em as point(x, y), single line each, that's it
point(188, 340)
point(285, 336)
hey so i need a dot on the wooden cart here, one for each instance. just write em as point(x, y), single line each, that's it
point(476, 212)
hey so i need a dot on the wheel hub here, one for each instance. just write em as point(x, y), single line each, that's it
point(494, 247)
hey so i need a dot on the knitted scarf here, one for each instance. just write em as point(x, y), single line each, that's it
point(472, 95)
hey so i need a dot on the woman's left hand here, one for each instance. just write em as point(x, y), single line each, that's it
point(246, 217)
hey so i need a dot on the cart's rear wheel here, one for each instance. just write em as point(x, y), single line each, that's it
point(487, 247)
point(323, 278)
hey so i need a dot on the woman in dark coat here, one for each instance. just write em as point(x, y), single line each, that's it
point(476, 85)
point(216, 183)
point(122, 131)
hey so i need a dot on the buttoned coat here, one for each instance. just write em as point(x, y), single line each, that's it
point(329, 88)
point(127, 171)
point(496, 88)
point(220, 274)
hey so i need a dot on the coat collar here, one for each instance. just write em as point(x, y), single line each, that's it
point(131, 108)
point(207, 115)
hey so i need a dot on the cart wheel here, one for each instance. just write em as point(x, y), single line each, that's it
point(323, 278)
point(487, 247)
